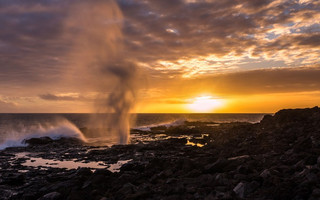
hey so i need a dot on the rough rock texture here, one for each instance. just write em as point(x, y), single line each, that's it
point(278, 158)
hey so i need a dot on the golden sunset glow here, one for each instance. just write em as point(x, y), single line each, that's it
point(204, 104)
point(246, 56)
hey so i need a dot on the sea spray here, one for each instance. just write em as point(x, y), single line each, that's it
point(121, 100)
point(95, 31)
point(56, 129)
point(174, 123)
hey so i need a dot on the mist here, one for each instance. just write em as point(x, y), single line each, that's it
point(94, 29)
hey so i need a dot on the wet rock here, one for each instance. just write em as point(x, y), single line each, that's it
point(47, 142)
point(274, 159)
point(239, 157)
point(6, 194)
point(158, 128)
point(127, 189)
point(132, 167)
point(267, 119)
point(138, 195)
point(104, 172)
point(51, 196)
point(127, 167)
point(240, 177)
point(284, 190)
point(177, 130)
point(316, 193)
point(251, 187)
point(221, 179)
point(98, 178)
point(165, 173)
point(193, 173)
point(242, 169)
point(265, 174)
point(243, 189)
point(205, 179)
point(38, 141)
point(217, 167)
point(30, 195)
point(240, 190)
point(302, 144)
point(318, 161)
point(83, 172)
point(76, 194)
point(312, 178)
point(171, 180)
point(13, 179)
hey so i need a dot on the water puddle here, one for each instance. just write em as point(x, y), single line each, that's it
point(67, 164)
point(213, 125)
point(137, 138)
point(97, 149)
point(194, 144)
point(158, 137)
point(116, 167)
point(202, 136)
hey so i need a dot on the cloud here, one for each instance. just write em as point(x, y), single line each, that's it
point(63, 97)
point(7, 106)
point(30, 43)
point(175, 101)
point(4, 102)
point(33, 43)
point(252, 82)
point(263, 81)
point(169, 39)
point(221, 28)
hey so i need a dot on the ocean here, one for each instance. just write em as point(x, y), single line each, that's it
point(14, 128)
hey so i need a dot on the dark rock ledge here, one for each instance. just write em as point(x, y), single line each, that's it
point(278, 158)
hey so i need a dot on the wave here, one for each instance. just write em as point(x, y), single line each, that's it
point(56, 131)
point(178, 122)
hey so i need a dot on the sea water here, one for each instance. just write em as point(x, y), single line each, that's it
point(14, 128)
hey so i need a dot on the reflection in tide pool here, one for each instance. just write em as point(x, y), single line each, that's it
point(194, 144)
point(197, 144)
point(68, 164)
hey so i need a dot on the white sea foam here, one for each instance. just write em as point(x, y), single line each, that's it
point(178, 122)
point(60, 129)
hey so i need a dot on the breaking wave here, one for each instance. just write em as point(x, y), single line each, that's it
point(178, 122)
point(61, 129)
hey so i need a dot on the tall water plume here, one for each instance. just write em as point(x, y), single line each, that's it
point(95, 30)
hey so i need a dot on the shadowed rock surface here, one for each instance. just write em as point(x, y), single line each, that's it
point(278, 158)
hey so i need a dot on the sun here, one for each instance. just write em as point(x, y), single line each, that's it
point(203, 104)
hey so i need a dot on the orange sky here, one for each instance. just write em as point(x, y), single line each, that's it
point(168, 56)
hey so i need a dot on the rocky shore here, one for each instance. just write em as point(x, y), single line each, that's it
point(278, 158)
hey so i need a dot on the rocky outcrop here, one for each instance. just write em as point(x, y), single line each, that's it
point(278, 158)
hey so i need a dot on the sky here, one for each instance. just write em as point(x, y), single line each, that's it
point(231, 56)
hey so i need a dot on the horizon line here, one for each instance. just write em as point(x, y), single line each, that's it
point(137, 113)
